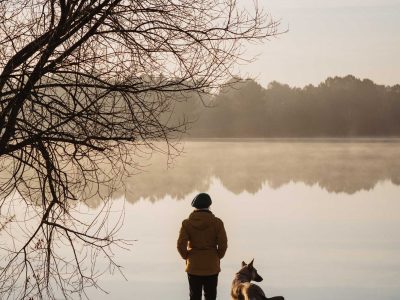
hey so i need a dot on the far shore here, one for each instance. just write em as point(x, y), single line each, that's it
point(394, 139)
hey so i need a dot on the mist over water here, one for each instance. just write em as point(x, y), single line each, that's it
point(320, 218)
point(335, 165)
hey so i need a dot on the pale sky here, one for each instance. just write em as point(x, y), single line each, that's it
point(329, 38)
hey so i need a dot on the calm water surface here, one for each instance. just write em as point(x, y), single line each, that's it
point(321, 219)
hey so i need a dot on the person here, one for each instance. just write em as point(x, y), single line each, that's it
point(202, 242)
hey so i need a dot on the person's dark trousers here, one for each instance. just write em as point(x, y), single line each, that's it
point(198, 283)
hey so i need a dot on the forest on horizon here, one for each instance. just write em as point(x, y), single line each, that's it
point(338, 107)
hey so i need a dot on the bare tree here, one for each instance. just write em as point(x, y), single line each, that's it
point(83, 85)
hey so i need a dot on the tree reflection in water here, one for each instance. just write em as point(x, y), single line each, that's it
point(339, 166)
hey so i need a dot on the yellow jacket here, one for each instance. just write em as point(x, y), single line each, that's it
point(202, 242)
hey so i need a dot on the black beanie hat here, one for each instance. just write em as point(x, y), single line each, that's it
point(202, 200)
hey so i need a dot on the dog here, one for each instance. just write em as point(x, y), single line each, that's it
point(243, 289)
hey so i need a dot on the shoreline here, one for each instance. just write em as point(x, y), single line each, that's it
point(296, 139)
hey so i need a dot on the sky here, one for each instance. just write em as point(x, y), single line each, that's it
point(328, 38)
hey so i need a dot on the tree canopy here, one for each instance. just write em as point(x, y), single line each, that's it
point(338, 107)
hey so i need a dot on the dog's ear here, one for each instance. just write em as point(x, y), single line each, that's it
point(243, 264)
point(251, 263)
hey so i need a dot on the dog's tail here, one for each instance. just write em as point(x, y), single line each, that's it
point(275, 298)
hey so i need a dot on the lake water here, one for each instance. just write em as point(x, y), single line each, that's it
point(320, 218)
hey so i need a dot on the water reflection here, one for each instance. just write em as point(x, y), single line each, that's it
point(308, 244)
point(246, 165)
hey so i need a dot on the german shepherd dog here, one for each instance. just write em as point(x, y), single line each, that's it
point(243, 289)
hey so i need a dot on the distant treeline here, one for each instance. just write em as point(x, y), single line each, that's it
point(338, 107)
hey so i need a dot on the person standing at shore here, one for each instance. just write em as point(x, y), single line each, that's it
point(202, 242)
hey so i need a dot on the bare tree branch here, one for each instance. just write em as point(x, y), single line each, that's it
point(83, 85)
